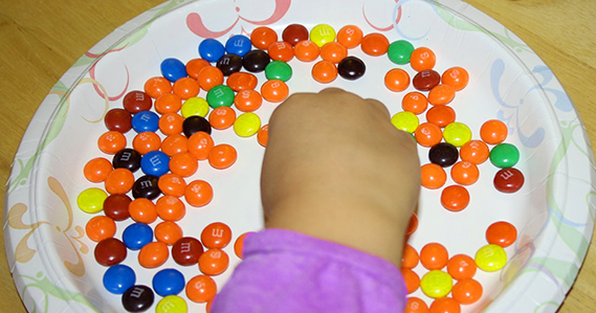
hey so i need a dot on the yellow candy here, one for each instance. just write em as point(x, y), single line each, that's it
point(491, 258)
point(91, 200)
point(247, 124)
point(322, 34)
point(436, 284)
point(457, 134)
point(195, 106)
point(406, 121)
point(171, 304)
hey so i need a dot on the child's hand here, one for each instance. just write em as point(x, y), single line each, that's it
point(335, 168)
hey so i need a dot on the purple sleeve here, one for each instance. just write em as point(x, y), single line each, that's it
point(285, 271)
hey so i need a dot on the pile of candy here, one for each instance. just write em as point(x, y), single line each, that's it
point(170, 104)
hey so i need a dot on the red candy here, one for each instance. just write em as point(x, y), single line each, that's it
point(110, 251)
point(294, 33)
point(116, 207)
point(137, 101)
point(186, 251)
point(118, 120)
point(508, 180)
point(216, 235)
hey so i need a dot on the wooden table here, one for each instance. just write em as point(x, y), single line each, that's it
point(40, 40)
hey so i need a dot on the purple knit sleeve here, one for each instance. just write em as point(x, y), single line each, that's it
point(285, 271)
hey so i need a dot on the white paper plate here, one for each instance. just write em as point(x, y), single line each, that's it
point(52, 260)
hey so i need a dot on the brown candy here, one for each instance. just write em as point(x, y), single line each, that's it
point(426, 80)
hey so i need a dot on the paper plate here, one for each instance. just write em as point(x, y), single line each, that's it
point(52, 260)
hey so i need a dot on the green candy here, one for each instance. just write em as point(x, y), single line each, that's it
point(399, 52)
point(278, 70)
point(504, 155)
point(220, 96)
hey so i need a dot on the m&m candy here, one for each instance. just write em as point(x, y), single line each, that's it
point(138, 298)
point(168, 282)
point(119, 278)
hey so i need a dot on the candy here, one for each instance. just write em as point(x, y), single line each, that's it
point(434, 256)
point(91, 200)
point(168, 232)
point(457, 134)
point(222, 156)
point(168, 282)
point(138, 298)
point(111, 142)
point(440, 115)
point(100, 227)
point(445, 305)
point(350, 36)
point(211, 50)
point(220, 95)
point(508, 180)
point(426, 80)
point(455, 198)
point(493, 132)
point(436, 284)
point(275, 90)
point(415, 305)
point(155, 163)
point(116, 207)
point(143, 211)
point(137, 235)
point(209, 77)
point(97, 170)
point(146, 187)
point(201, 289)
point(155, 87)
point(171, 304)
point(397, 80)
point(128, 159)
point(443, 154)
point(172, 185)
point(414, 102)
point(281, 51)
point(306, 51)
point(294, 33)
point(239, 244)
point(428, 135)
point(153, 255)
point(118, 120)
point(278, 70)
point(263, 135)
point(213, 262)
point(410, 257)
point(248, 100)
point(412, 225)
point(145, 121)
point(184, 164)
point(255, 61)
point(222, 118)
point(461, 266)
point(465, 173)
point(374, 44)
point(474, 151)
point(119, 278)
point(501, 234)
point(238, 44)
point(504, 155)
point(195, 124)
point(240, 81)
point(457, 77)
point(136, 101)
point(333, 52)
point(322, 34)
point(406, 121)
point(194, 67)
point(441, 95)
point(194, 106)
point(173, 69)
point(351, 68)
point(229, 64)
point(433, 176)
point(199, 145)
point(399, 52)
point(491, 258)
point(411, 279)
point(262, 37)
point(422, 59)
point(174, 144)
point(198, 193)
point(146, 142)
point(170, 208)
point(110, 251)
point(324, 72)
point(216, 235)
point(186, 251)
point(186, 88)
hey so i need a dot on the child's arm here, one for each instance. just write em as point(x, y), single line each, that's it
point(339, 184)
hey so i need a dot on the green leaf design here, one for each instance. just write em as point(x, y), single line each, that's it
point(562, 270)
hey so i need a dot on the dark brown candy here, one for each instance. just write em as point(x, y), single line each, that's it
point(116, 207)
point(186, 251)
point(426, 80)
point(137, 101)
point(509, 180)
point(294, 34)
point(118, 120)
point(110, 251)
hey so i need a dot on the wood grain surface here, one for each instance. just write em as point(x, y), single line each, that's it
point(40, 40)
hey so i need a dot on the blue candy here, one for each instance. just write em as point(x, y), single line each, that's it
point(173, 69)
point(137, 235)
point(238, 44)
point(155, 163)
point(211, 50)
point(145, 121)
point(118, 278)
point(168, 282)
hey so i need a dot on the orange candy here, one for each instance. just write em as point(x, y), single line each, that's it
point(445, 305)
point(467, 291)
point(210, 77)
point(170, 208)
point(100, 227)
point(461, 266)
point(306, 51)
point(416, 305)
point(186, 88)
point(433, 176)
point(412, 225)
point(198, 193)
point(157, 86)
point(411, 278)
point(174, 144)
point(456, 77)
point(146, 142)
point(441, 115)
point(248, 100)
point(350, 36)
point(153, 254)
point(474, 151)
point(428, 135)
point(263, 135)
point(423, 59)
point(324, 72)
point(262, 37)
point(194, 67)
point(239, 245)
point(222, 117)
point(409, 258)
point(168, 232)
point(374, 44)
point(120, 181)
point(201, 289)
point(465, 173)
point(414, 102)
point(142, 210)
point(171, 123)
point(97, 170)
point(493, 132)
point(199, 144)
point(333, 52)
point(240, 81)
point(281, 51)
point(213, 262)
point(222, 156)
point(441, 95)
point(216, 235)
point(455, 198)
point(184, 164)
point(501, 234)
point(111, 142)
point(434, 256)
point(275, 90)
point(172, 185)
point(397, 80)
